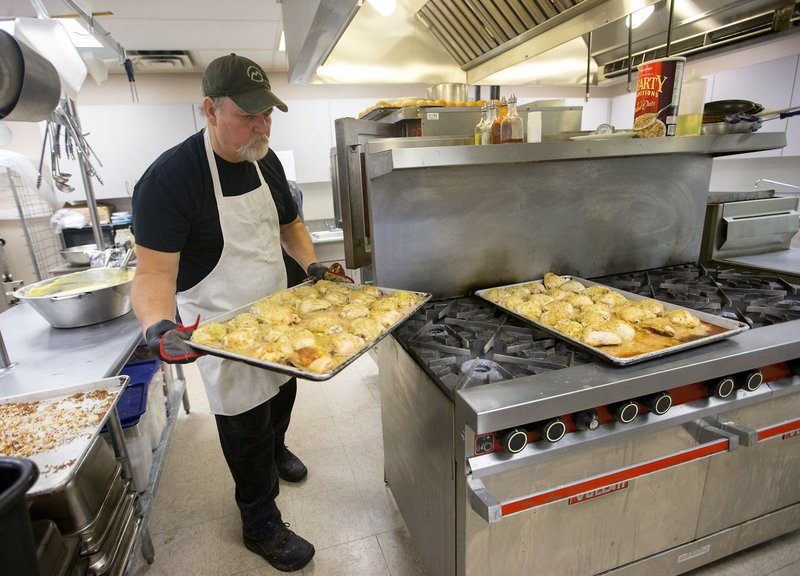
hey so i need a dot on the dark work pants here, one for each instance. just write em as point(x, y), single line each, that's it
point(248, 442)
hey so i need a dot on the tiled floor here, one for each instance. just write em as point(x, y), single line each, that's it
point(343, 507)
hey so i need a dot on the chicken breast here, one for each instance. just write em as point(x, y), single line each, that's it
point(312, 358)
point(683, 318)
point(552, 280)
point(274, 313)
point(572, 286)
point(659, 326)
point(571, 328)
point(619, 327)
point(529, 310)
point(211, 332)
point(366, 328)
point(310, 305)
point(346, 344)
point(653, 306)
point(353, 311)
point(601, 338)
point(243, 320)
point(535, 287)
point(580, 300)
point(541, 299)
point(634, 314)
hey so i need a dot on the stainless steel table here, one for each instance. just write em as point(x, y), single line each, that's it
point(45, 358)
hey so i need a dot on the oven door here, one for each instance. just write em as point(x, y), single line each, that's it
point(764, 474)
point(590, 509)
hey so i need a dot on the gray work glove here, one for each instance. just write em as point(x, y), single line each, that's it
point(170, 341)
point(316, 271)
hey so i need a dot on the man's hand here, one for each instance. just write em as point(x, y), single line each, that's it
point(169, 341)
point(316, 271)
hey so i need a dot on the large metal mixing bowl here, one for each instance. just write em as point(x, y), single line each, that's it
point(81, 298)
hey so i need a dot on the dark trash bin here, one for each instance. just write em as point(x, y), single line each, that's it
point(17, 545)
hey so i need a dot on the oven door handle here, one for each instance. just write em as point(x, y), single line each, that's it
point(492, 509)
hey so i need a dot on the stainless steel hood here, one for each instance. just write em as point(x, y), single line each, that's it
point(483, 41)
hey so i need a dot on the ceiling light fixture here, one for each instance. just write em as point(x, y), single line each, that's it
point(639, 16)
point(282, 42)
point(384, 7)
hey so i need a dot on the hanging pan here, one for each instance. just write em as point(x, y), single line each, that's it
point(30, 86)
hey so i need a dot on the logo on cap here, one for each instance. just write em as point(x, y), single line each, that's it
point(255, 74)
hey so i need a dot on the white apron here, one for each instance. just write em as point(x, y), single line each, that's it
point(250, 267)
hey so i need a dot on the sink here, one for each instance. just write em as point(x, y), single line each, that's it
point(328, 235)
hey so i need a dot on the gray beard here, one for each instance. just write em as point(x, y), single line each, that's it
point(255, 149)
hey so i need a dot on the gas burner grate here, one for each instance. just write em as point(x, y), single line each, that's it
point(469, 342)
point(756, 299)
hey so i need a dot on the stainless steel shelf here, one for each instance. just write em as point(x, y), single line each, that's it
point(383, 161)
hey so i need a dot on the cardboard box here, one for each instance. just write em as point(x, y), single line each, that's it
point(103, 212)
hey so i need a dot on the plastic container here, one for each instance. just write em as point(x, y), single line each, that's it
point(135, 419)
point(17, 544)
point(690, 107)
point(157, 408)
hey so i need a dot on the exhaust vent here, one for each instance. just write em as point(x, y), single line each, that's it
point(160, 60)
point(745, 29)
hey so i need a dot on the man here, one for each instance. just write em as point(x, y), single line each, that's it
point(210, 217)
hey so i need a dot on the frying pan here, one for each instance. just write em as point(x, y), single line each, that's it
point(718, 110)
point(30, 86)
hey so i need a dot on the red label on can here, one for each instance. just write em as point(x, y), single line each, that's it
point(658, 88)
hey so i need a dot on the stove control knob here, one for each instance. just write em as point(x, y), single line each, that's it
point(722, 388)
point(514, 440)
point(750, 381)
point(587, 420)
point(625, 412)
point(552, 430)
point(659, 403)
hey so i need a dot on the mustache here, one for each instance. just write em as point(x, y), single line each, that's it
point(255, 149)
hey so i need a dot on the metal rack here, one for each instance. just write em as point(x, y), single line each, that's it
point(34, 216)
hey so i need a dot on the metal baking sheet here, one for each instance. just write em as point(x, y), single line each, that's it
point(58, 465)
point(292, 370)
point(731, 327)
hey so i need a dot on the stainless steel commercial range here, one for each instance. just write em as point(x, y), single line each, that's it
point(509, 451)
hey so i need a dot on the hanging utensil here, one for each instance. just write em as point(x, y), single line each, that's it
point(41, 156)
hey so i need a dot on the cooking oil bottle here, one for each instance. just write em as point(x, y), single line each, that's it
point(511, 125)
point(502, 110)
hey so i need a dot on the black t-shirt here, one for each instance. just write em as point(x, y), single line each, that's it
point(175, 210)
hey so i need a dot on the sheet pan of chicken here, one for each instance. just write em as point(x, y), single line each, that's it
point(311, 331)
point(619, 326)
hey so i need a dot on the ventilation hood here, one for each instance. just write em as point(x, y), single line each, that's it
point(512, 42)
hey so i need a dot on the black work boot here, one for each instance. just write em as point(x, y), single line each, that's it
point(282, 548)
point(290, 468)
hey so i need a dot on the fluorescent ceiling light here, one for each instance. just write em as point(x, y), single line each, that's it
point(80, 36)
point(384, 7)
point(639, 16)
point(282, 42)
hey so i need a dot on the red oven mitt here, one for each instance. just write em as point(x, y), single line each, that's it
point(332, 273)
point(170, 341)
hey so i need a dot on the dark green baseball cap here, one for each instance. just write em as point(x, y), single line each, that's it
point(241, 80)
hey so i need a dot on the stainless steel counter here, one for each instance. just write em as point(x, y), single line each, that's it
point(45, 358)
